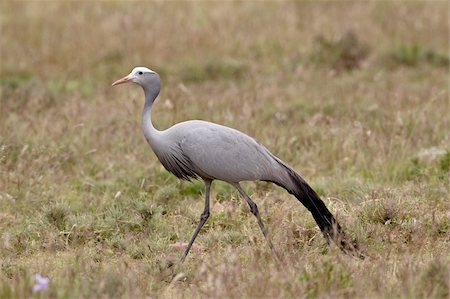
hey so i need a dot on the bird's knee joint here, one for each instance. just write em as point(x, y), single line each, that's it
point(204, 215)
point(253, 208)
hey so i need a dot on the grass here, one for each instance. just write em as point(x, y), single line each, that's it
point(361, 110)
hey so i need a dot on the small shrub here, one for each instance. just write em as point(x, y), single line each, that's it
point(344, 53)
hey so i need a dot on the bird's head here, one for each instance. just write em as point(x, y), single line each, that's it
point(143, 76)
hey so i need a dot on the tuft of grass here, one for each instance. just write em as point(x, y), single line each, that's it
point(416, 168)
point(386, 212)
point(57, 215)
point(194, 188)
point(137, 251)
point(328, 275)
point(413, 54)
point(213, 69)
point(224, 192)
point(444, 163)
point(13, 81)
point(435, 280)
point(409, 55)
point(436, 58)
point(113, 285)
point(166, 193)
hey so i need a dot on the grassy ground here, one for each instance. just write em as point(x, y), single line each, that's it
point(353, 95)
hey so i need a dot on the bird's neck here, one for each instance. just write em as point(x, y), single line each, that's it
point(150, 132)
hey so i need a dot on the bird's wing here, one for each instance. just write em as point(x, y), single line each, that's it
point(176, 162)
point(225, 154)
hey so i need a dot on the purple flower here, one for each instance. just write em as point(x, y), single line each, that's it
point(41, 283)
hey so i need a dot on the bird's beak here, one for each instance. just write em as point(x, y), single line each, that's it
point(123, 80)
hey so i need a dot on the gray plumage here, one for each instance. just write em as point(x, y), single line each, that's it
point(204, 150)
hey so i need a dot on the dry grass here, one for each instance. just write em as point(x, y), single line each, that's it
point(84, 201)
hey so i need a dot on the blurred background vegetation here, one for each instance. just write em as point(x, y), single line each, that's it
point(354, 95)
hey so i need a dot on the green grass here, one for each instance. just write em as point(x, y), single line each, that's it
point(361, 111)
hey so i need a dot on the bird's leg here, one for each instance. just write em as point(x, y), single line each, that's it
point(203, 217)
point(255, 211)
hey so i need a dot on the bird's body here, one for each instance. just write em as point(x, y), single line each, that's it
point(212, 151)
point(205, 150)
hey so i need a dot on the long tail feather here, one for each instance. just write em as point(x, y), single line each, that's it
point(327, 223)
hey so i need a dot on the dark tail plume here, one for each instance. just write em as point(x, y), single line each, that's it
point(328, 224)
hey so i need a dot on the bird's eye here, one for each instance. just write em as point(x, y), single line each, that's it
point(140, 73)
